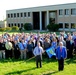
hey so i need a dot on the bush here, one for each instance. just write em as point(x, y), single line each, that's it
point(28, 26)
point(2, 29)
point(53, 27)
point(15, 28)
point(8, 28)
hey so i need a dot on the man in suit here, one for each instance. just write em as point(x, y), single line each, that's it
point(61, 54)
point(38, 54)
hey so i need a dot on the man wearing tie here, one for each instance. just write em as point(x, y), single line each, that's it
point(38, 53)
point(61, 54)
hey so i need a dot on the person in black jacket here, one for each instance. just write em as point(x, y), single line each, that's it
point(2, 49)
point(16, 50)
point(69, 46)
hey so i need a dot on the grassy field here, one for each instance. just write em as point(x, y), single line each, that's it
point(21, 67)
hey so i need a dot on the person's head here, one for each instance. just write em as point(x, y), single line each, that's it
point(60, 44)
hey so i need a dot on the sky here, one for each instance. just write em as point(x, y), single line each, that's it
point(16, 4)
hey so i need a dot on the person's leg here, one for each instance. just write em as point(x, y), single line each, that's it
point(62, 62)
point(59, 64)
point(21, 54)
point(0, 54)
point(24, 54)
point(3, 53)
point(37, 61)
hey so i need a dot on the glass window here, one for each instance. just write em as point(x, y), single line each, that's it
point(15, 24)
point(11, 15)
point(9, 25)
point(28, 14)
point(25, 14)
point(73, 25)
point(66, 25)
point(18, 25)
point(12, 24)
point(66, 11)
point(8, 15)
point(14, 14)
point(21, 24)
point(73, 11)
point(17, 14)
point(61, 12)
point(60, 25)
point(21, 14)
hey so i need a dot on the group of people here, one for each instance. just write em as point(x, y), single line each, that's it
point(26, 45)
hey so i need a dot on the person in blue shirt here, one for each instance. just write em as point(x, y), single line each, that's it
point(61, 54)
point(22, 46)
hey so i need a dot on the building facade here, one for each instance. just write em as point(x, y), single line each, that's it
point(40, 17)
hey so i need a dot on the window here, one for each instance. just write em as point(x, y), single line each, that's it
point(24, 14)
point(18, 25)
point(28, 14)
point(66, 25)
point(11, 15)
point(66, 11)
point(14, 14)
point(8, 25)
point(8, 15)
point(60, 25)
point(73, 25)
point(73, 11)
point(21, 24)
point(21, 14)
point(15, 24)
point(17, 14)
point(12, 24)
point(61, 12)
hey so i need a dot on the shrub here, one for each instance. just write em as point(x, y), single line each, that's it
point(8, 28)
point(2, 29)
point(15, 28)
point(28, 26)
point(53, 27)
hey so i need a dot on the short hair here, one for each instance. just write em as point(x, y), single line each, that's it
point(61, 43)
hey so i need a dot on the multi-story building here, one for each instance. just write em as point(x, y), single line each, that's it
point(40, 17)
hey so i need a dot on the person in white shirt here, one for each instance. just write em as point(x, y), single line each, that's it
point(38, 50)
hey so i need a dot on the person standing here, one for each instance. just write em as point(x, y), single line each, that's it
point(61, 54)
point(38, 50)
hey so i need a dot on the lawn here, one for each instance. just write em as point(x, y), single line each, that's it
point(24, 67)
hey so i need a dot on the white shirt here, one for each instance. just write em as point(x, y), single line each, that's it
point(38, 51)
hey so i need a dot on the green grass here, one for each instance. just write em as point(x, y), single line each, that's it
point(50, 67)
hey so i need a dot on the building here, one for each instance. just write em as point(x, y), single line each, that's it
point(40, 17)
point(3, 24)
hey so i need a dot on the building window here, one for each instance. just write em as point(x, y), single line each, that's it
point(21, 24)
point(15, 24)
point(14, 14)
point(66, 11)
point(25, 14)
point(66, 25)
point(11, 15)
point(21, 14)
point(8, 15)
point(12, 24)
point(60, 25)
point(17, 14)
point(18, 25)
point(9, 25)
point(61, 12)
point(73, 11)
point(73, 25)
point(28, 14)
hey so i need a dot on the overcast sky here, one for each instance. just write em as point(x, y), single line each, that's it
point(16, 4)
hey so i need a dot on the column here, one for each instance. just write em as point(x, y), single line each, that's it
point(47, 17)
point(40, 20)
